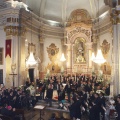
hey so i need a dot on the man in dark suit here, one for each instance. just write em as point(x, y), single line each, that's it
point(49, 94)
point(77, 108)
point(102, 98)
point(97, 102)
point(68, 90)
point(94, 112)
point(43, 89)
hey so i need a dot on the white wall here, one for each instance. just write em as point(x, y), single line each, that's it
point(2, 45)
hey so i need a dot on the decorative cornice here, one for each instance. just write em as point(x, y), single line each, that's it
point(14, 30)
point(102, 29)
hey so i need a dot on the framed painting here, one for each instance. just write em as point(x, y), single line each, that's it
point(1, 56)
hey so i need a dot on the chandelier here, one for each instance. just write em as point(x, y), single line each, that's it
point(99, 59)
point(30, 61)
point(62, 58)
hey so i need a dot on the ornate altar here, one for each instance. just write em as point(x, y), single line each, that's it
point(79, 42)
point(79, 50)
point(52, 67)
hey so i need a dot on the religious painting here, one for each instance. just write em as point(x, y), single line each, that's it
point(105, 48)
point(79, 51)
point(106, 68)
point(52, 51)
point(1, 56)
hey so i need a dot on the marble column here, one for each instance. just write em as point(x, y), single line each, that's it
point(22, 56)
point(114, 86)
point(115, 79)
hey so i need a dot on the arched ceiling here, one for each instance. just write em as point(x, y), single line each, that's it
point(60, 10)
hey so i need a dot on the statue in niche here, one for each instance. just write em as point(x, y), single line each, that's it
point(79, 52)
point(80, 59)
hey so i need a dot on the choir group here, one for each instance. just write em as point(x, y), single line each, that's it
point(84, 94)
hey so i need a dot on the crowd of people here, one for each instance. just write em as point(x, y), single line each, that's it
point(13, 101)
point(85, 95)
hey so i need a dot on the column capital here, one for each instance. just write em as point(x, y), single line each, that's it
point(41, 40)
point(15, 30)
point(115, 16)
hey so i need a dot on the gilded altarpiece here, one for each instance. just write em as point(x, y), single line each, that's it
point(52, 67)
point(80, 46)
point(79, 42)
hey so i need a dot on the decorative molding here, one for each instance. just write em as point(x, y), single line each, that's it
point(53, 68)
point(105, 48)
point(102, 29)
point(106, 68)
point(52, 51)
point(79, 16)
point(14, 30)
point(115, 19)
point(78, 29)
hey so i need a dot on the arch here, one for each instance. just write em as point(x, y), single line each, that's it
point(81, 35)
point(79, 15)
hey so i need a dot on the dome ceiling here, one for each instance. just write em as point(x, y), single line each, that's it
point(60, 10)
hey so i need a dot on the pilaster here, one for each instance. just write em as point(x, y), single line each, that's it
point(115, 86)
point(41, 65)
point(69, 59)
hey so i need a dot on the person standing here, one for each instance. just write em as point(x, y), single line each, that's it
point(49, 95)
point(61, 97)
point(59, 85)
point(77, 108)
point(68, 90)
point(43, 89)
point(94, 112)
point(118, 107)
point(103, 109)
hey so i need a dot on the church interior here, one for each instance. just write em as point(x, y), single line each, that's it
point(57, 40)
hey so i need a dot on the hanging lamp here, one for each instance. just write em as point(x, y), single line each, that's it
point(30, 61)
point(99, 59)
point(62, 58)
